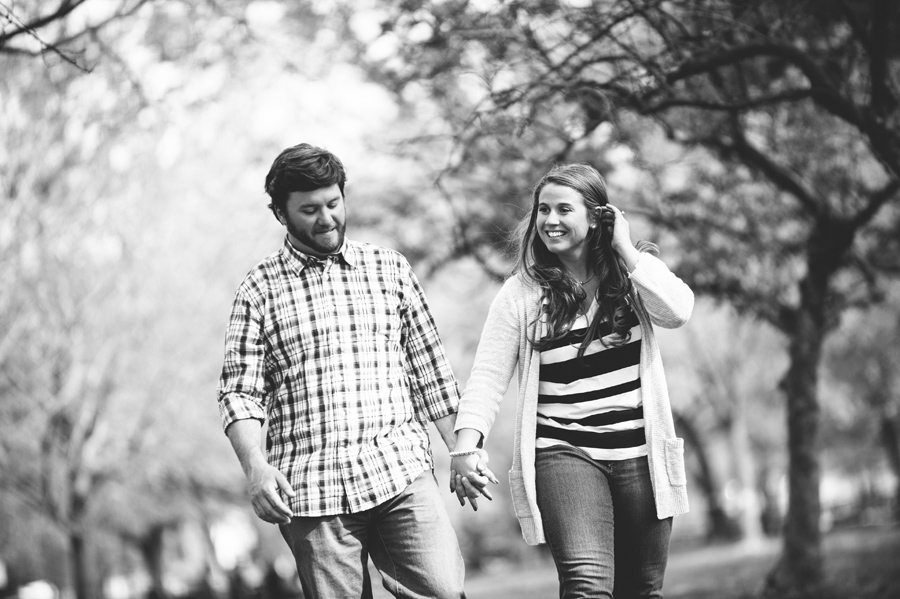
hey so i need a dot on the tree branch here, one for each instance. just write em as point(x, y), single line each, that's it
point(822, 90)
point(794, 95)
point(21, 27)
point(876, 201)
point(777, 174)
point(463, 243)
point(882, 101)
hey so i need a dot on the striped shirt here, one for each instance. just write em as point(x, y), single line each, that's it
point(593, 403)
point(342, 358)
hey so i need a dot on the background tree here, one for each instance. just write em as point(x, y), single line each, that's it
point(864, 382)
point(89, 452)
point(729, 360)
point(788, 117)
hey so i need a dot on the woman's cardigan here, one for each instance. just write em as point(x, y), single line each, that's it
point(658, 297)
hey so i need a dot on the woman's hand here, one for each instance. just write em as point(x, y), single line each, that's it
point(621, 232)
point(621, 237)
point(469, 476)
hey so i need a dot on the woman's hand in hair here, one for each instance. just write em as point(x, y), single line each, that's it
point(621, 239)
point(621, 232)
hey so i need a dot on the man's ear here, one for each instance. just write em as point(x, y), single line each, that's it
point(279, 214)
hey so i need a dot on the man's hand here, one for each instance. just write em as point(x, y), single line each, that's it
point(266, 482)
point(469, 476)
point(266, 485)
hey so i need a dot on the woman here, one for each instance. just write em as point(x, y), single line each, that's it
point(597, 472)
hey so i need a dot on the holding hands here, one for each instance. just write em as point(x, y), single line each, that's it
point(469, 476)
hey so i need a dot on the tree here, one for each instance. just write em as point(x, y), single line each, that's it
point(862, 369)
point(734, 397)
point(89, 448)
point(788, 115)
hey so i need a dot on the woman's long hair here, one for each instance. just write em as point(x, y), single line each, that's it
point(562, 294)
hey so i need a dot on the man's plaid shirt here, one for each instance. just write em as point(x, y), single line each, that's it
point(343, 359)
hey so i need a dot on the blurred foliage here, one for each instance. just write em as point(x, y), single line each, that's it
point(135, 135)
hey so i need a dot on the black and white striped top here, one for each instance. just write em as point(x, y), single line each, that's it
point(593, 403)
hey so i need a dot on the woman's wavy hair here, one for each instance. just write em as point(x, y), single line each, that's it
point(562, 294)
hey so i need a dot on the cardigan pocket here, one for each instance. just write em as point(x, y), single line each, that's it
point(675, 461)
point(519, 496)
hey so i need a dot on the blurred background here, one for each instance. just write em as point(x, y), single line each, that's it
point(758, 143)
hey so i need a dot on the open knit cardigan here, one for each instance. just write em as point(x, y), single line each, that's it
point(659, 298)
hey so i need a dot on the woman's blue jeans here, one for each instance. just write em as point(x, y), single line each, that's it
point(600, 523)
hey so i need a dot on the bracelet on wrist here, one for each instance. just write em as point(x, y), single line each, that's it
point(459, 454)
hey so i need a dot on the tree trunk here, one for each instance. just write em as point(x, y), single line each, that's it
point(890, 439)
point(798, 572)
point(77, 547)
point(152, 550)
point(744, 468)
point(719, 527)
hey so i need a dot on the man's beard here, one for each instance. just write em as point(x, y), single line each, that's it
point(313, 241)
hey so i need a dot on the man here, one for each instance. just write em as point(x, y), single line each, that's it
point(331, 341)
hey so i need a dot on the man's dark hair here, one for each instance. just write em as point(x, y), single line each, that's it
point(303, 167)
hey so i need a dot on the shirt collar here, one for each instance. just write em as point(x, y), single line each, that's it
point(346, 254)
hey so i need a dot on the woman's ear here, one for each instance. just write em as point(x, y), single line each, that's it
point(594, 216)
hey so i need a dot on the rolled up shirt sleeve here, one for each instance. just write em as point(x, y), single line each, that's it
point(242, 390)
point(435, 388)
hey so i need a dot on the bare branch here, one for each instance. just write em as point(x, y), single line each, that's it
point(882, 101)
point(21, 27)
point(93, 30)
point(822, 90)
point(876, 201)
point(794, 95)
point(66, 7)
point(464, 246)
point(782, 177)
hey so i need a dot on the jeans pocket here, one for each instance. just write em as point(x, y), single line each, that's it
point(519, 497)
point(675, 461)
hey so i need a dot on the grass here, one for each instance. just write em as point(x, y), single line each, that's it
point(860, 563)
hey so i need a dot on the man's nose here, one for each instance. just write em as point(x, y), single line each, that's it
point(325, 218)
